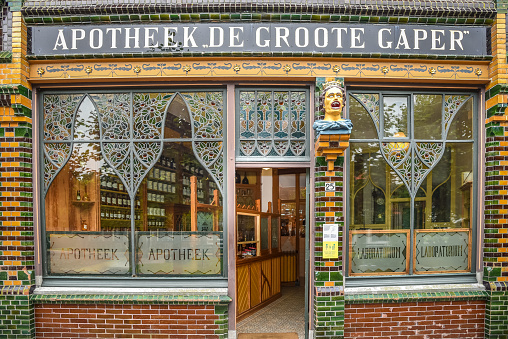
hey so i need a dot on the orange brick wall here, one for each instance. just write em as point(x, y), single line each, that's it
point(425, 320)
point(125, 321)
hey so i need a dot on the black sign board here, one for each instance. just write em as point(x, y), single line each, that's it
point(260, 37)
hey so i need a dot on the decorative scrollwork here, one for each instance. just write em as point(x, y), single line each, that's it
point(298, 148)
point(264, 147)
point(281, 147)
point(148, 152)
point(124, 173)
point(50, 171)
point(217, 170)
point(420, 171)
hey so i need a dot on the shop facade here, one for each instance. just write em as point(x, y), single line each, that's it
point(161, 175)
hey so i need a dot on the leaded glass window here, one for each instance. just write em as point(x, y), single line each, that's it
point(133, 183)
point(411, 174)
point(272, 124)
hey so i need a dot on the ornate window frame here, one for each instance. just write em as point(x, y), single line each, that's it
point(416, 146)
point(294, 145)
point(64, 136)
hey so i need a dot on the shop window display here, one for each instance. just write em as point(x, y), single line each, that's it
point(133, 183)
point(411, 183)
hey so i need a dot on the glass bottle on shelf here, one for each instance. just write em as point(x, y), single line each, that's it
point(113, 199)
point(78, 196)
point(245, 180)
point(114, 185)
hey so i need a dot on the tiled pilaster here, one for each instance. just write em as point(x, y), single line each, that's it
point(328, 280)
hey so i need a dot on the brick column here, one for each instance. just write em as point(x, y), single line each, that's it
point(16, 216)
point(328, 279)
point(495, 258)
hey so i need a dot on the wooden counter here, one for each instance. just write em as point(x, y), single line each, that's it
point(257, 283)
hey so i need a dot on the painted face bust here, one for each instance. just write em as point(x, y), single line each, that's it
point(333, 104)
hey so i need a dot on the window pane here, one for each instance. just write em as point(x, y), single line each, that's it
point(302, 186)
point(451, 187)
point(427, 116)
point(379, 238)
point(395, 116)
point(264, 233)
point(77, 241)
point(148, 113)
point(287, 189)
point(275, 232)
point(116, 203)
point(461, 127)
point(368, 187)
point(364, 127)
point(178, 121)
point(86, 126)
point(177, 179)
point(182, 229)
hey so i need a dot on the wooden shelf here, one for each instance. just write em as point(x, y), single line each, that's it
point(83, 204)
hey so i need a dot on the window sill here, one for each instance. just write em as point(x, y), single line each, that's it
point(415, 293)
point(137, 284)
point(131, 295)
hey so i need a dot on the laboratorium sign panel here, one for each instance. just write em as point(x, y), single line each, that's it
point(378, 252)
point(259, 37)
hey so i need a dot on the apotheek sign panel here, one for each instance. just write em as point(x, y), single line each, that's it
point(259, 37)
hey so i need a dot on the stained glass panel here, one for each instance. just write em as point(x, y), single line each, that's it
point(149, 110)
point(114, 115)
point(207, 114)
point(272, 124)
point(59, 112)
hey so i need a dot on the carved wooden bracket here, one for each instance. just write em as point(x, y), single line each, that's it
point(331, 146)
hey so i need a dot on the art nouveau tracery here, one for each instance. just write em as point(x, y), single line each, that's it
point(131, 129)
point(412, 160)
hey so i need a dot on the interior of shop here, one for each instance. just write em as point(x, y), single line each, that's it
point(271, 228)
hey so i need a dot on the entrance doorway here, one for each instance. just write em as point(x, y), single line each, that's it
point(272, 251)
